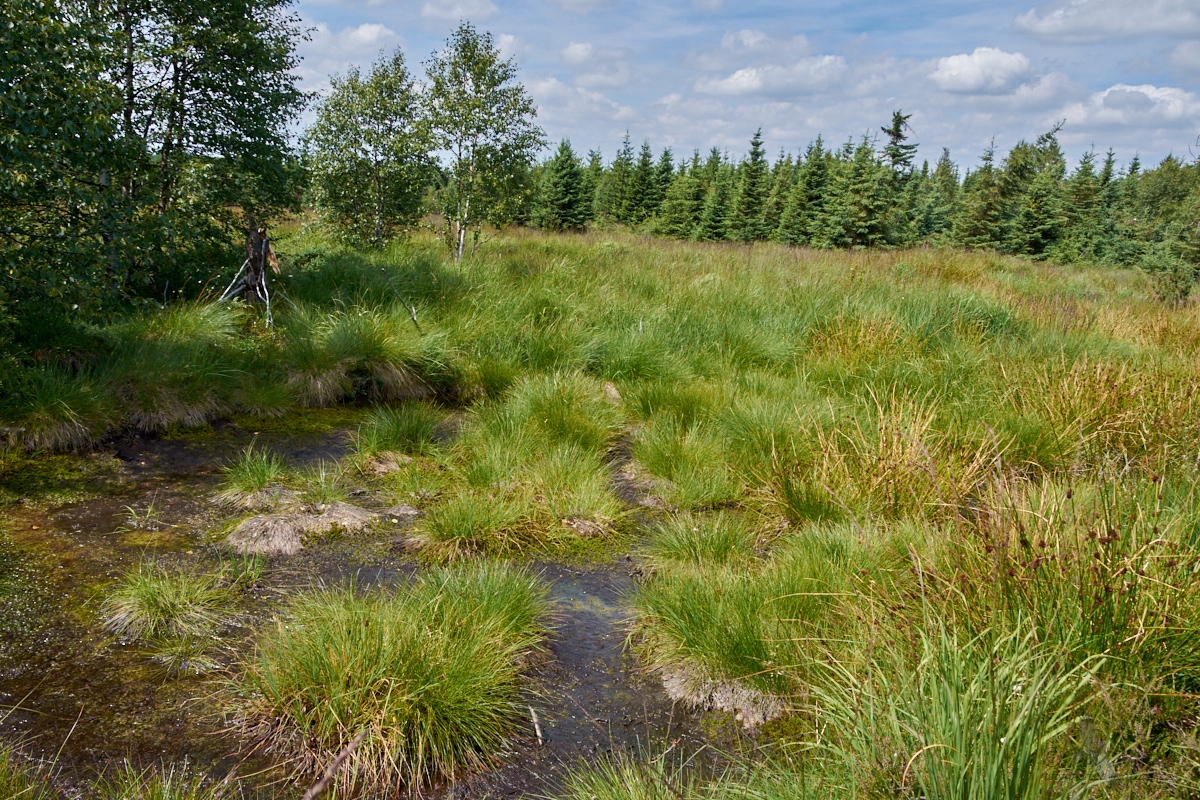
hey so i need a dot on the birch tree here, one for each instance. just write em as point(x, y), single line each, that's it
point(483, 120)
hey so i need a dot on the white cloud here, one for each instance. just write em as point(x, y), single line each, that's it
point(581, 6)
point(1140, 106)
point(749, 47)
point(1093, 20)
point(458, 9)
point(805, 76)
point(1186, 57)
point(598, 67)
point(511, 46)
point(1045, 91)
point(326, 52)
point(987, 69)
point(562, 104)
point(577, 53)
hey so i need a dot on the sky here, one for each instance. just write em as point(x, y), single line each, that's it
point(687, 74)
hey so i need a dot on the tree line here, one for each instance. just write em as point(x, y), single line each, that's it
point(869, 193)
point(140, 138)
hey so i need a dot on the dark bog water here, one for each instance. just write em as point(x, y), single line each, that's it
point(82, 698)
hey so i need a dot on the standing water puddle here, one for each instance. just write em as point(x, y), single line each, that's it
point(83, 699)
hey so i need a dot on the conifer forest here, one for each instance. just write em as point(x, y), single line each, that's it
point(823, 469)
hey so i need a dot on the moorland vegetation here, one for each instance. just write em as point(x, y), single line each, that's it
point(907, 463)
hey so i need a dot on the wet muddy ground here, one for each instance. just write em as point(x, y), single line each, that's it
point(77, 696)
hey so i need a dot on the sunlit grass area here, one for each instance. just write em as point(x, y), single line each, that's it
point(924, 521)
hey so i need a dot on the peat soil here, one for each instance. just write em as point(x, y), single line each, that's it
point(72, 694)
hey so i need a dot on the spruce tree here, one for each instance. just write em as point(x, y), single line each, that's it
point(782, 176)
point(866, 198)
point(746, 217)
point(978, 222)
point(593, 173)
point(613, 191)
point(664, 175)
point(805, 206)
point(713, 165)
point(680, 210)
point(897, 152)
point(1032, 195)
point(714, 217)
point(562, 200)
point(942, 199)
point(643, 187)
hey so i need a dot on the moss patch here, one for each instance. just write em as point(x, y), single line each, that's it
point(302, 421)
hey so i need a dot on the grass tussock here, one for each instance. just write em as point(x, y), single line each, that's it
point(126, 782)
point(249, 479)
point(154, 601)
point(449, 649)
point(21, 781)
point(409, 428)
point(702, 541)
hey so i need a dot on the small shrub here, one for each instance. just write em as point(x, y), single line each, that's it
point(435, 676)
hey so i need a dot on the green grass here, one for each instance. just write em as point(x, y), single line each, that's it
point(982, 718)
point(702, 541)
point(408, 429)
point(472, 524)
point(249, 476)
point(848, 445)
point(627, 778)
point(173, 783)
point(154, 601)
point(432, 673)
point(324, 483)
point(19, 781)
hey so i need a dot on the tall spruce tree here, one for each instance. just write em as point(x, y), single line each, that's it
point(805, 206)
point(681, 207)
point(613, 191)
point(782, 176)
point(713, 225)
point(981, 214)
point(664, 175)
point(855, 214)
point(746, 222)
point(562, 201)
point(640, 199)
point(898, 153)
point(941, 199)
point(593, 173)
